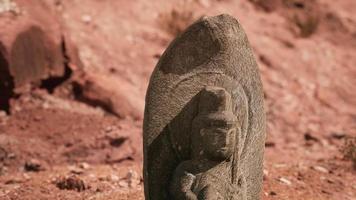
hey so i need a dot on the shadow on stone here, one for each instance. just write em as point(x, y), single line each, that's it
point(171, 147)
point(6, 83)
point(52, 82)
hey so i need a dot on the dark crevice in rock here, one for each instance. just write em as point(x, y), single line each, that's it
point(6, 84)
point(52, 82)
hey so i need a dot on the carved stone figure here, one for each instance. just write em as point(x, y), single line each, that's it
point(204, 125)
point(213, 152)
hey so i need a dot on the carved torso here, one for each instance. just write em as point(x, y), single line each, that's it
point(206, 175)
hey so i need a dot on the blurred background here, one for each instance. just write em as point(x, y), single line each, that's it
point(74, 73)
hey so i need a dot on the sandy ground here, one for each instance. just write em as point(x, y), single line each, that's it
point(54, 146)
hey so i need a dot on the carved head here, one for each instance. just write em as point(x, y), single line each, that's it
point(214, 128)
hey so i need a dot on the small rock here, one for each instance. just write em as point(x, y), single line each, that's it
point(9, 6)
point(132, 178)
point(325, 143)
point(285, 181)
point(92, 176)
point(15, 180)
point(84, 165)
point(37, 118)
point(265, 174)
point(53, 180)
point(33, 165)
point(26, 176)
point(123, 183)
point(338, 136)
point(309, 137)
point(11, 156)
point(3, 169)
point(331, 181)
point(86, 19)
point(113, 178)
point(320, 169)
point(71, 183)
point(280, 165)
point(75, 170)
point(109, 129)
point(300, 176)
point(131, 174)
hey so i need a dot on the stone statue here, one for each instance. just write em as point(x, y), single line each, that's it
point(204, 125)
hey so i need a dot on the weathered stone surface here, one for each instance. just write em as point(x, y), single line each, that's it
point(30, 52)
point(31, 48)
point(204, 123)
point(111, 93)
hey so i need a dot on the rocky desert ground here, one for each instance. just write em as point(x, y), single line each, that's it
point(73, 77)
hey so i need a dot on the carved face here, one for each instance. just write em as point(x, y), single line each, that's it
point(218, 140)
